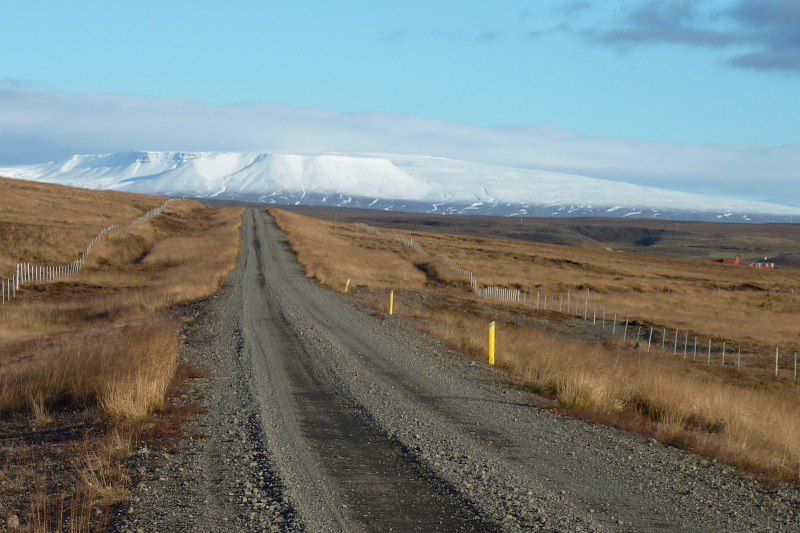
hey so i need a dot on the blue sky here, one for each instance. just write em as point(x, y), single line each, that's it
point(699, 95)
point(482, 63)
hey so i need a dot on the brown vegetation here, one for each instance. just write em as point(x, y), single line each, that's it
point(42, 223)
point(85, 361)
point(746, 420)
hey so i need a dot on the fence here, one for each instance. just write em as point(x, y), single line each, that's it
point(643, 336)
point(26, 272)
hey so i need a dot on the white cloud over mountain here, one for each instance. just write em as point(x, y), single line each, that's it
point(38, 126)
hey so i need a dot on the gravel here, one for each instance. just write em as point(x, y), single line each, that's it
point(344, 421)
point(221, 478)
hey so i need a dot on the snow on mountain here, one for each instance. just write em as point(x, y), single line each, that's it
point(416, 183)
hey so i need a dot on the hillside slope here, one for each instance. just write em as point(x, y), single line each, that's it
point(48, 224)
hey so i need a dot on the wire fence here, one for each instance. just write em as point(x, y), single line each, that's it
point(588, 307)
point(30, 273)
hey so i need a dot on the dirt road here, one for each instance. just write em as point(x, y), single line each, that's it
point(323, 417)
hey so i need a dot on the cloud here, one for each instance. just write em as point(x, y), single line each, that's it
point(764, 34)
point(775, 26)
point(37, 126)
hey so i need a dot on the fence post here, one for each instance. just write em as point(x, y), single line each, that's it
point(776, 362)
point(685, 344)
point(723, 353)
point(638, 335)
point(650, 338)
point(738, 358)
point(795, 366)
point(663, 340)
point(614, 327)
point(675, 347)
point(625, 335)
point(586, 307)
point(537, 299)
point(391, 302)
point(709, 351)
point(603, 325)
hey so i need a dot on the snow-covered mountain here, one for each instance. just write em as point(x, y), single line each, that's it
point(392, 182)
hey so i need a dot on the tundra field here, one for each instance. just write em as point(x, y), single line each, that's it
point(746, 418)
point(86, 361)
point(318, 411)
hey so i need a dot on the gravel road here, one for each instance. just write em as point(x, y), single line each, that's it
point(323, 417)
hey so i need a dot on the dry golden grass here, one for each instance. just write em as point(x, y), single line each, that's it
point(180, 256)
point(42, 223)
point(332, 253)
point(686, 406)
point(98, 350)
point(748, 420)
point(740, 305)
point(755, 310)
point(125, 370)
point(86, 329)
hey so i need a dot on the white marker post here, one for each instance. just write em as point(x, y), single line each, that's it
point(776, 362)
point(685, 345)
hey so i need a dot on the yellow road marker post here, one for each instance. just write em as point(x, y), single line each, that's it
point(491, 343)
point(347, 286)
point(391, 302)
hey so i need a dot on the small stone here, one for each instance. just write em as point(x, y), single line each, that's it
point(13, 522)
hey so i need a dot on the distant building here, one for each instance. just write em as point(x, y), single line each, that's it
point(724, 259)
point(763, 263)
